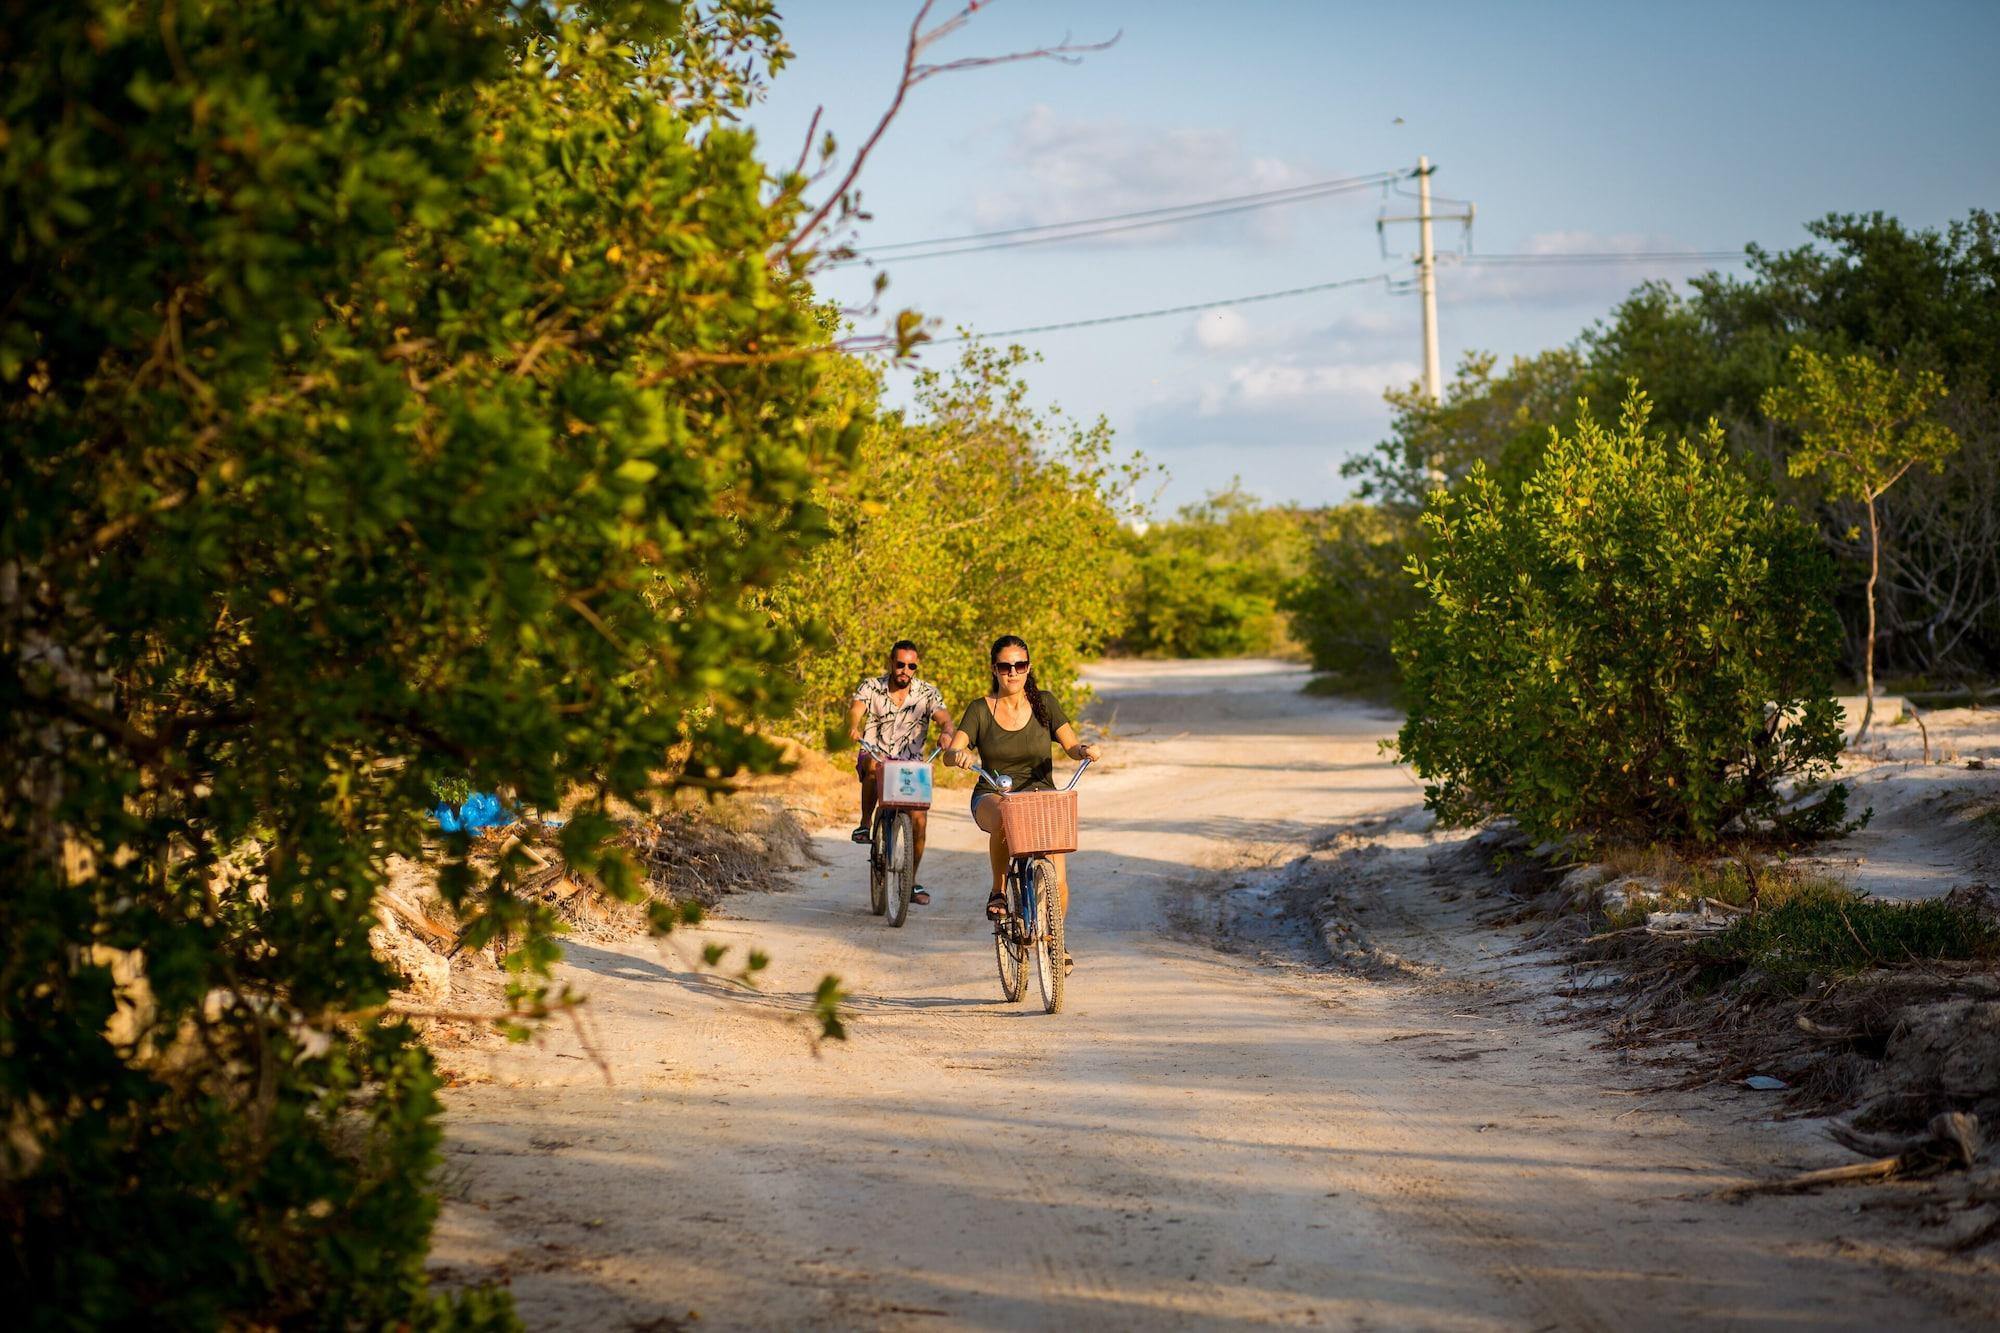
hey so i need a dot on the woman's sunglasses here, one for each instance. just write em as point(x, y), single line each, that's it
point(1010, 668)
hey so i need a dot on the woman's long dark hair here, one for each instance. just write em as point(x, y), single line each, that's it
point(1036, 703)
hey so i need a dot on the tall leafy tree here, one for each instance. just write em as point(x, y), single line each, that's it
point(970, 516)
point(1209, 582)
point(1489, 415)
point(1862, 425)
point(385, 387)
point(1918, 299)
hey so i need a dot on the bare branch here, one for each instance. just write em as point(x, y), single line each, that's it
point(914, 73)
point(805, 149)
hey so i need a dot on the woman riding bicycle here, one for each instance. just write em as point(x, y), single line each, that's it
point(1013, 728)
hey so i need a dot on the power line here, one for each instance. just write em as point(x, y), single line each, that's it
point(1169, 310)
point(1085, 228)
point(1582, 257)
point(1600, 257)
point(1277, 195)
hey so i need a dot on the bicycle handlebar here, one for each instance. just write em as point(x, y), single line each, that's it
point(886, 758)
point(1006, 784)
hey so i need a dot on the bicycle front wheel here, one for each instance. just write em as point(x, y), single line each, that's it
point(1010, 950)
point(899, 858)
point(1048, 928)
point(878, 884)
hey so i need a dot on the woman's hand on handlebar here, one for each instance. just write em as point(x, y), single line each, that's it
point(1090, 752)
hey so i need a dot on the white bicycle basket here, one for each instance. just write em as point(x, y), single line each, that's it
point(905, 784)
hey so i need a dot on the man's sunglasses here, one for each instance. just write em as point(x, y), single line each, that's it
point(1010, 668)
point(907, 666)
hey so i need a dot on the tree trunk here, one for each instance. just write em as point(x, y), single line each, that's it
point(1868, 649)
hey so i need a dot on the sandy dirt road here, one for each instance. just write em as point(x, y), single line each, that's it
point(1209, 1137)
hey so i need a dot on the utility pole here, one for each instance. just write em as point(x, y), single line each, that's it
point(1427, 280)
point(1427, 272)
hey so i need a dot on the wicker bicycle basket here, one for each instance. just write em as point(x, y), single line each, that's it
point(1039, 821)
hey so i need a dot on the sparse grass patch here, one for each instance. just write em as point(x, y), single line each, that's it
point(1654, 861)
point(1822, 930)
point(1684, 884)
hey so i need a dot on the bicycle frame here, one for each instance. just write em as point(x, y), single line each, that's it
point(1022, 931)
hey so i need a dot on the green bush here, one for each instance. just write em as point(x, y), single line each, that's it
point(375, 396)
point(1209, 582)
point(1636, 644)
point(969, 518)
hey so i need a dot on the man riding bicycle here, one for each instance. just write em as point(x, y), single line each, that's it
point(893, 713)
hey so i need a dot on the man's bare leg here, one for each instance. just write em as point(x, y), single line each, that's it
point(870, 781)
point(919, 823)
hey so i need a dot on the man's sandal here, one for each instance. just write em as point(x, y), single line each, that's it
point(996, 906)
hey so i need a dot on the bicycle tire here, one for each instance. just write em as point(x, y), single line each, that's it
point(1009, 950)
point(878, 896)
point(899, 866)
point(1048, 938)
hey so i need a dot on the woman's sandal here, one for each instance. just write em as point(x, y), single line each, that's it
point(996, 906)
point(920, 895)
point(1069, 964)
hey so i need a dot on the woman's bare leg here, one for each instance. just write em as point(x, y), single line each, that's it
point(986, 814)
point(1061, 864)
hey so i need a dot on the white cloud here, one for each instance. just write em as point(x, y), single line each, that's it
point(1295, 387)
point(1384, 333)
point(1220, 330)
point(1557, 284)
point(1272, 403)
point(1061, 170)
point(1356, 325)
point(1362, 336)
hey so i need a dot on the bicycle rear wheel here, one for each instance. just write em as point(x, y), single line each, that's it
point(899, 860)
point(1048, 928)
point(878, 887)
point(1010, 950)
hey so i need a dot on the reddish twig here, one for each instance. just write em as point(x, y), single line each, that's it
point(913, 74)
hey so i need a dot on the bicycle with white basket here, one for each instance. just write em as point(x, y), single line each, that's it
point(1036, 824)
point(901, 787)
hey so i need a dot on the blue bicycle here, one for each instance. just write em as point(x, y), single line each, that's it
point(1035, 824)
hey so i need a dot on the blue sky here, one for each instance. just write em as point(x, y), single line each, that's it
point(1584, 127)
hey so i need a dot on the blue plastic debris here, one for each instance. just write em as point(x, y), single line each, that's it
point(480, 810)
